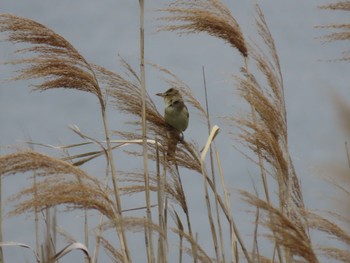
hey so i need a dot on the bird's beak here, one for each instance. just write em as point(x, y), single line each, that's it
point(160, 94)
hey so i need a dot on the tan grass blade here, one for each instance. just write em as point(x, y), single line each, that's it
point(227, 203)
point(218, 220)
point(161, 199)
point(59, 147)
point(179, 225)
point(69, 248)
point(18, 244)
point(212, 135)
point(214, 132)
point(200, 252)
point(112, 252)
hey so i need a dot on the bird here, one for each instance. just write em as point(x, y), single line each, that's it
point(175, 111)
point(175, 115)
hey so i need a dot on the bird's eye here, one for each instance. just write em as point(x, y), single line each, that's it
point(170, 90)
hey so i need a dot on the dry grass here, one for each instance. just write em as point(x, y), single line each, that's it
point(58, 183)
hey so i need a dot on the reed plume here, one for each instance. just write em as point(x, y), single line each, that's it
point(209, 16)
point(63, 184)
point(53, 58)
point(342, 31)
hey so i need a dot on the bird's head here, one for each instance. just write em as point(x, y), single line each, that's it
point(170, 95)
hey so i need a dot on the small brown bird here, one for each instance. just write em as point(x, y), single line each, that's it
point(177, 116)
point(175, 111)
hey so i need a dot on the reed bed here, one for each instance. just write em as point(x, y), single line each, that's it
point(281, 216)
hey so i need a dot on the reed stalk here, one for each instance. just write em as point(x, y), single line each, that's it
point(121, 233)
point(1, 252)
point(144, 127)
point(218, 220)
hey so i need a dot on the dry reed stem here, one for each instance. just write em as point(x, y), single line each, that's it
point(112, 253)
point(200, 252)
point(180, 226)
point(68, 249)
point(209, 16)
point(212, 135)
point(161, 181)
point(21, 245)
point(218, 220)
point(144, 127)
point(227, 203)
